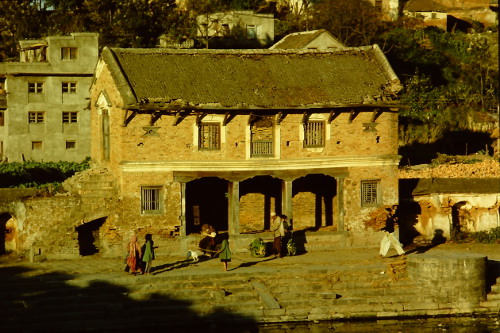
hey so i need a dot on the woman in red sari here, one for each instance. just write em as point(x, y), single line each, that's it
point(134, 256)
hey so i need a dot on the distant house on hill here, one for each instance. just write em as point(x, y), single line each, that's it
point(225, 137)
point(431, 12)
point(312, 40)
point(236, 28)
point(452, 14)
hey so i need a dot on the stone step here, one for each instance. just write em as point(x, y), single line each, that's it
point(491, 304)
point(492, 296)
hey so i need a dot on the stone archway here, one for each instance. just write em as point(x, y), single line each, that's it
point(8, 232)
point(313, 203)
point(89, 241)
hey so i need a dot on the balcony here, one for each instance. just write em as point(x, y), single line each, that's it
point(262, 149)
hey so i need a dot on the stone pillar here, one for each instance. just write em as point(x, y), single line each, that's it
point(286, 199)
point(233, 208)
point(451, 278)
point(182, 230)
point(340, 204)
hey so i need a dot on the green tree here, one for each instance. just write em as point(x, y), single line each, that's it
point(353, 22)
point(19, 19)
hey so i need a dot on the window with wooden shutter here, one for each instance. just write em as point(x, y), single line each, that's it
point(209, 136)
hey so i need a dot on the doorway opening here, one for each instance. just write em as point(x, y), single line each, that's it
point(88, 237)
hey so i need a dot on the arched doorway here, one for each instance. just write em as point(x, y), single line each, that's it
point(206, 203)
point(313, 201)
point(8, 233)
point(461, 220)
point(88, 237)
point(259, 196)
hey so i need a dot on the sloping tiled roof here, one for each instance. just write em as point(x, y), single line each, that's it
point(250, 78)
point(299, 40)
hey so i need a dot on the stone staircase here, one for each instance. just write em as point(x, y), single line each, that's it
point(209, 299)
point(492, 302)
point(96, 190)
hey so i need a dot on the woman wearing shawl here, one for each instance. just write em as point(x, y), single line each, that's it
point(134, 255)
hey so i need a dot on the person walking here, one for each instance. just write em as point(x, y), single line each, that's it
point(389, 231)
point(225, 252)
point(148, 254)
point(279, 231)
point(134, 255)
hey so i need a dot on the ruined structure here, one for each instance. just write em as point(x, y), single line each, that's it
point(44, 111)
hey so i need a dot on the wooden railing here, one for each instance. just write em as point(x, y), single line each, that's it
point(262, 149)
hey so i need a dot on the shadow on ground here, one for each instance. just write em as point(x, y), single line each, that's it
point(52, 303)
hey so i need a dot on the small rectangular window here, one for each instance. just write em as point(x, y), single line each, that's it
point(69, 53)
point(150, 200)
point(36, 117)
point(314, 134)
point(35, 87)
point(369, 192)
point(69, 117)
point(70, 144)
point(2, 118)
point(69, 87)
point(251, 32)
point(209, 136)
point(36, 145)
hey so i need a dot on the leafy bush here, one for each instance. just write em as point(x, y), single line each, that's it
point(38, 174)
point(258, 248)
point(486, 237)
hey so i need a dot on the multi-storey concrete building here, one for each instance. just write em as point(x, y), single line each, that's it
point(45, 114)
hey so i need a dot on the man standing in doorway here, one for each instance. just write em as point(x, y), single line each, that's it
point(279, 232)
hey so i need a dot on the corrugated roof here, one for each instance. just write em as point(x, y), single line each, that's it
point(251, 78)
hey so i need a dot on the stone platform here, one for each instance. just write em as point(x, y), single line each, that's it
point(95, 294)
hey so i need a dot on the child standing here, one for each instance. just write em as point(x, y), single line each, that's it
point(149, 253)
point(225, 252)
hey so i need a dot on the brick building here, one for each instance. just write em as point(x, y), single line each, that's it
point(225, 137)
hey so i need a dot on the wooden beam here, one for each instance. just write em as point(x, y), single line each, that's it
point(128, 116)
point(305, 116)
point(250, 118)
point(228, 116)
point(279, 117)
point(376, 113)
point(154, 118)
point(352, 115)
point(333, 115)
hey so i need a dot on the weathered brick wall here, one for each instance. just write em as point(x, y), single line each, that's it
point(355, 213)
point(49, 226)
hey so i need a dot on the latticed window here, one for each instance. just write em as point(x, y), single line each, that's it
point(35, 87)
point(69, 117)
point(150, 200)
point(36, 117)
point(69, 53)
point(369, 192)
point(69, 87)
point(209, 136)
point(314, 134)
